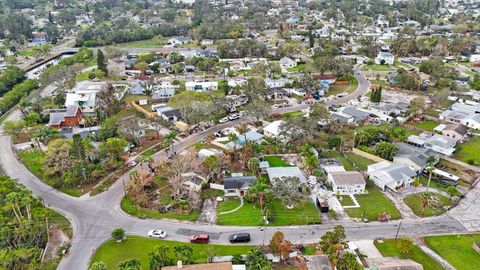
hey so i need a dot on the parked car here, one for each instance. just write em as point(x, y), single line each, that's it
point(157, 234)
point(223, 120)
point(200, 238)
point(234, 116)
point(239, 238)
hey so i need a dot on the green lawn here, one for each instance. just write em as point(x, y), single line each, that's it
point(335, 89)
point(33, 160)
point(292, 114)
point(433, 184)
point(346, 200)
point(276, 161)
point(457, 250)
point(130, 208)
point(361, 163)
point(389, 249)
point(248, 215)
point(149, 43)
point(376, 67)
point(427, 125)
point(468, 152)
point(298, 68)
point(305, 213)
point(111, 253)
point(415, 202)
point(381, 83)
point(373, 204)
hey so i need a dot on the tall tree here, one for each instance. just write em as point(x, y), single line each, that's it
point(101, 61)
point(132, 264)
point(256, 260)
point(183, 253)
point(160, 257)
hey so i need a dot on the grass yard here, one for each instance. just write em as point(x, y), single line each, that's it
point(373, 204)
point(346, 200)
point(335, 89)
point(435, 208)
point(248, 215)
point(389, 249)
point(457, 250)
point(359, 161)
point(427, 125)
point(33, 160)
point(376, 67)
point(305, 213)
point(111, 253)
point(352, 163)
point(468, 152)
point(298, 68)
point(131, 208)
point(381, 83)
point(277, 161)
point(292, 114)
point(149, 43)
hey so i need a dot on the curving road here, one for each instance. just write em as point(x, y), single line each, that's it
point(93, 218)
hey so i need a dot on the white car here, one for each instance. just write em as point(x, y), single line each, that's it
point(157, 234)
point(234, 116)
point(223, 120)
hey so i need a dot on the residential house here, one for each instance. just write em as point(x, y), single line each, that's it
point(65, 118)
point(392, 176)
point(193, 181)
point(456, 131)
point(343, 118)
point(234, 82)
point(236, 186)
point(237, 100)
point(438, 143)
point(453, 116)
point(413, 157)
point(358, 115)
point(387, 111)
point(472, 121)
point(277, 83)
point(85, 99)
point(287, 62)
point(468, 107)
point(277, 174)
point(205, 266)
point(179, 40)
point(137, 89)
point(273, 129)
point(38, 39)
point(347, 183)
point(237, 65)
point(384, 57)
point(167, 113)
point(201, 86)
point(164, 91)
point(206, 42)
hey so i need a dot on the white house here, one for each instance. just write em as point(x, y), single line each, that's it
point(193, 181)
point(201, 86)
point(393, 176)
point(475, 58)
point(179, 40)
point(164, 91)
point(273, 129)
point(472, 121)
point(287, 62)
point(85, 99)
point(347, 183)
point(384, 58)
point(277, 83)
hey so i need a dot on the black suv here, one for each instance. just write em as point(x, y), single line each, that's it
point(239, 238)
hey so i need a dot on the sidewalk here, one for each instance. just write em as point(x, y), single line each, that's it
point(433, 254)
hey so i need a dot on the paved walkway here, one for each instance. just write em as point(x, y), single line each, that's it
point(433, 254)
point(367, 248)
point(234, 210)
point(468, 210)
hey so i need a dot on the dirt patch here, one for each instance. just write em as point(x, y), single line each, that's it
point(57, 240)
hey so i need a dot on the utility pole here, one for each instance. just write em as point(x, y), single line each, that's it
point(398, 230)
point(264, 228)
point(124, 189)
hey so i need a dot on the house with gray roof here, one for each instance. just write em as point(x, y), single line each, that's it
point(357, 114)
point(68, 117)
point(413, 157)
point(236, 186)
point(455, 131)
point(393, 176)
point(441, 144)
point(347, 183)
point(277, 174)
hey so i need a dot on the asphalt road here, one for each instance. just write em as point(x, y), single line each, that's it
point(93, 218)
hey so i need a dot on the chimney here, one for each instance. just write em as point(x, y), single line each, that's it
point(179, 265)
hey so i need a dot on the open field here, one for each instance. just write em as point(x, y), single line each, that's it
point(457, 250)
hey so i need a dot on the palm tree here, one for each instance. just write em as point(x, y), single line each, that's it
point(254, 165)
point(170, 137)
point(243, 129)
point(431, 160)
point(233, 138)
point(256, 192)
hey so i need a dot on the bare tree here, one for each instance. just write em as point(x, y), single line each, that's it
point(158, 123)
point(131, 128)
point(175, 171)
